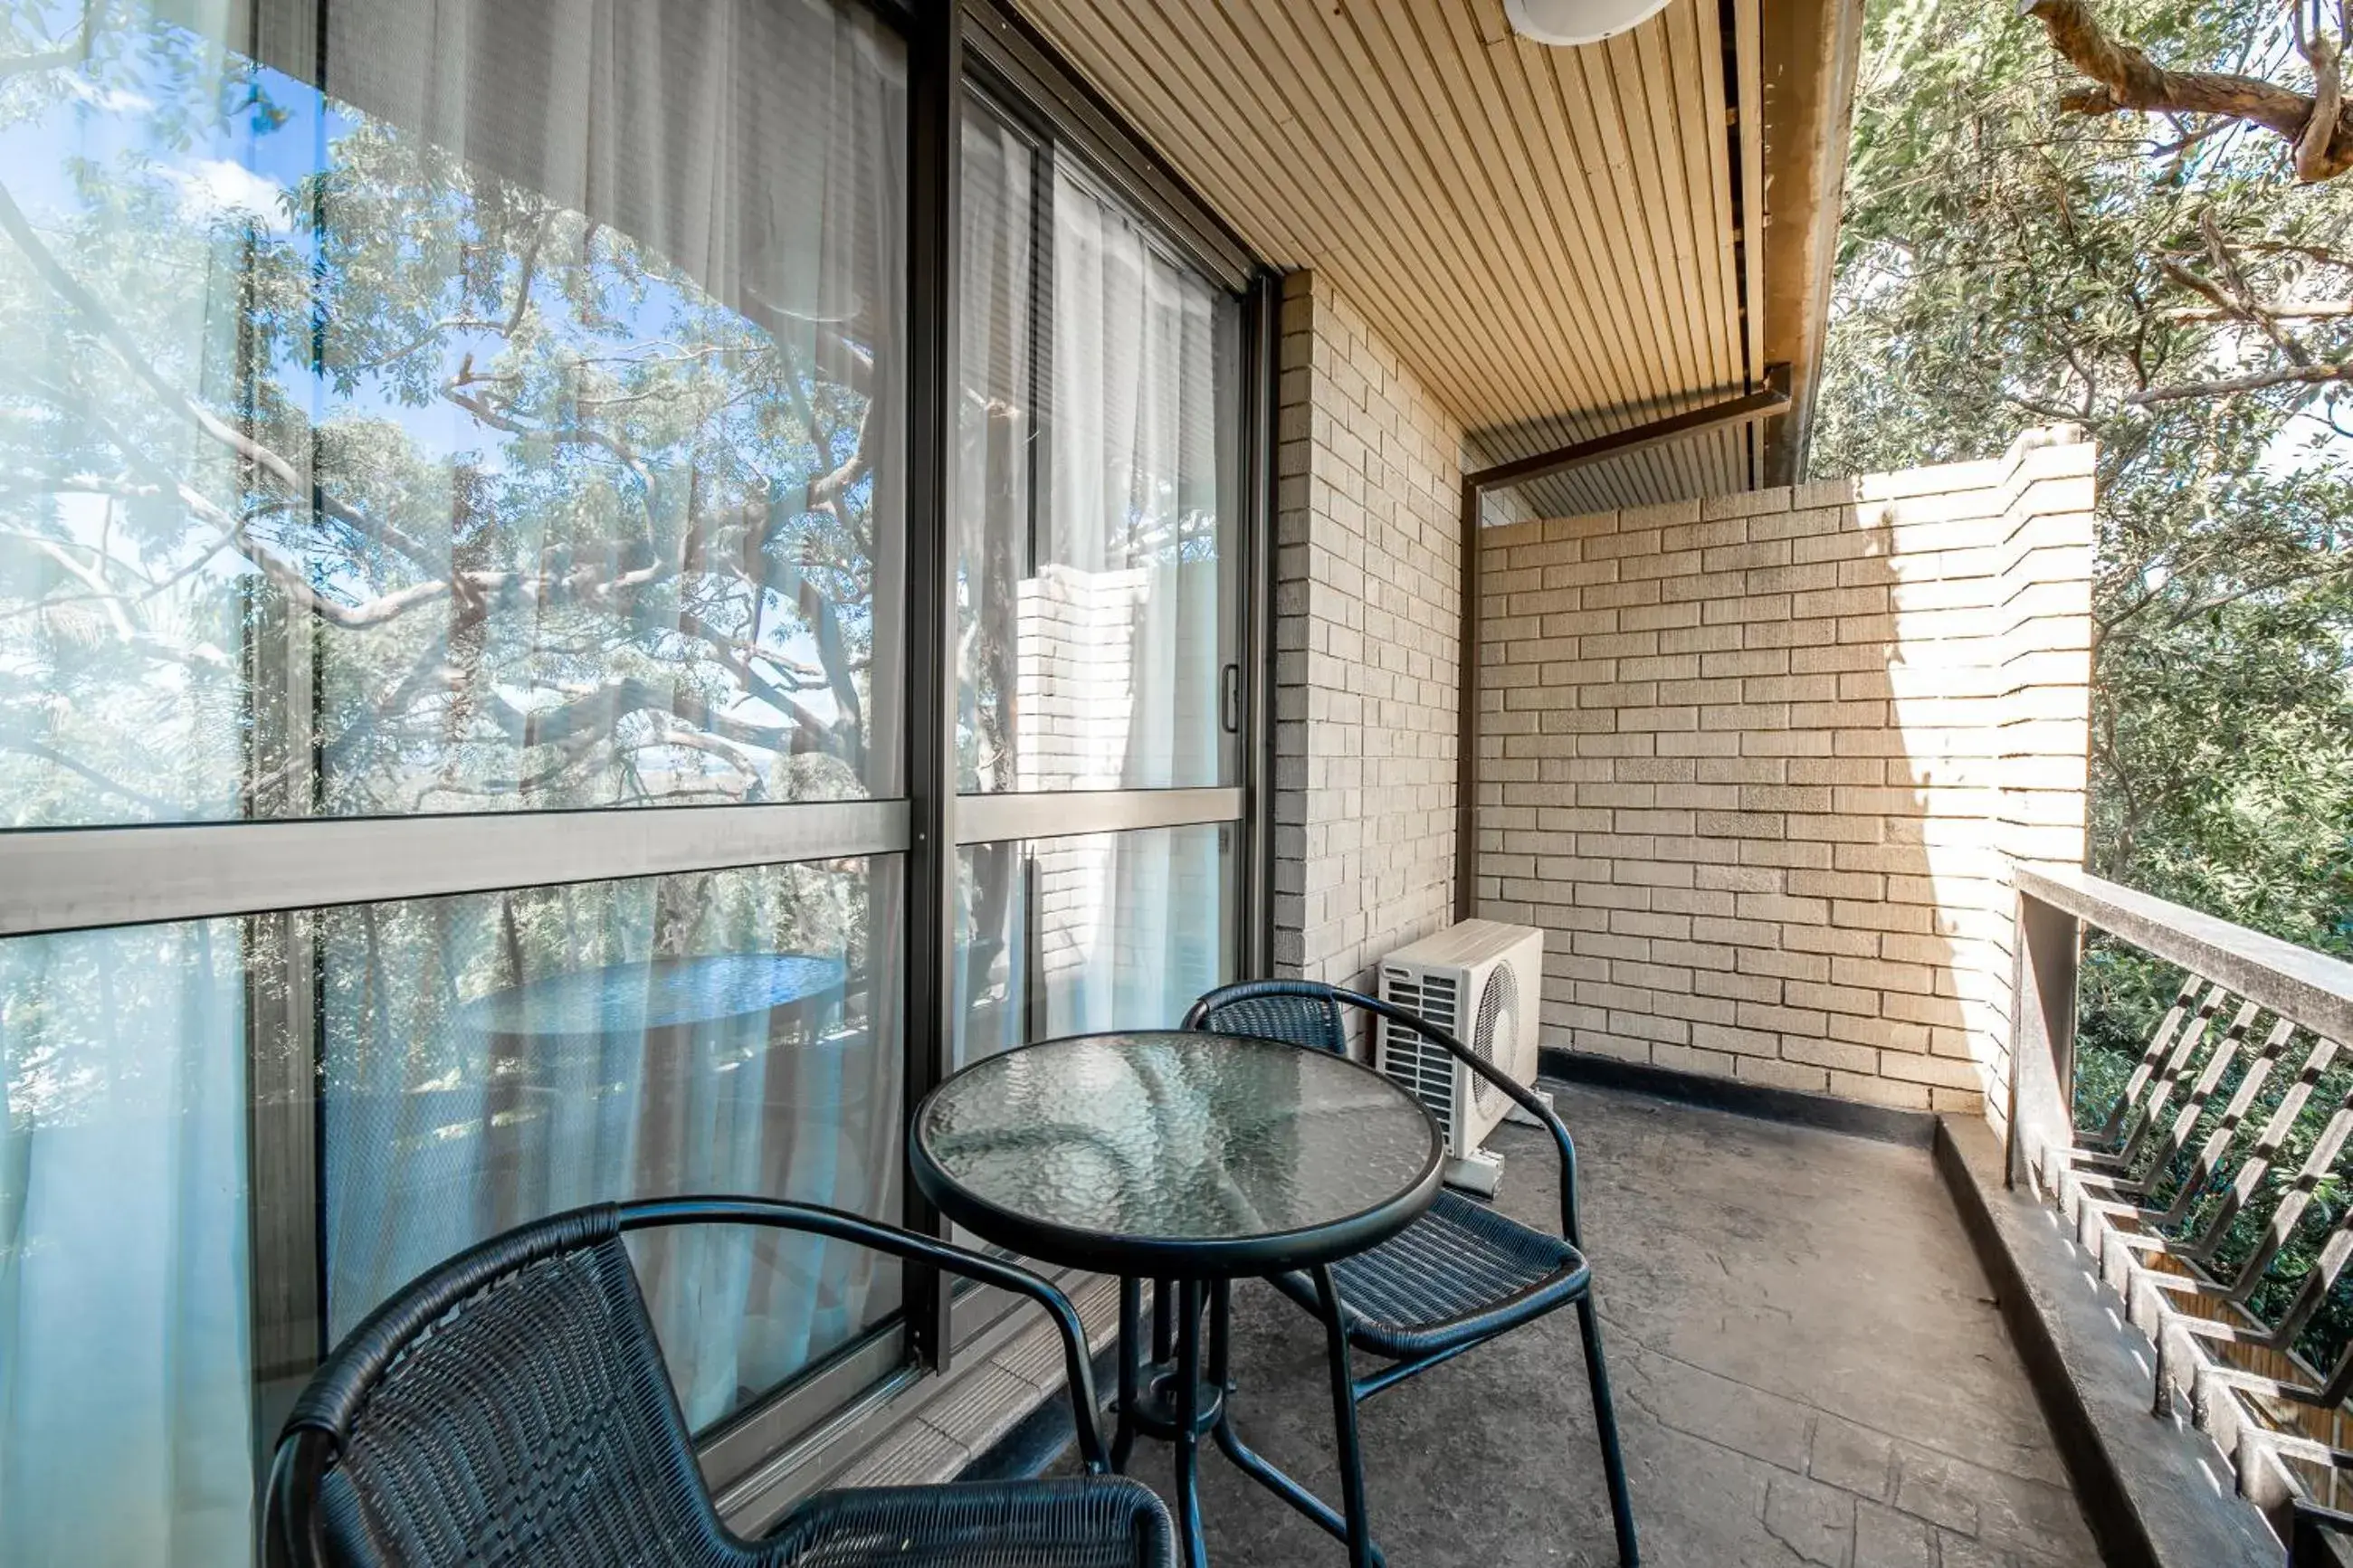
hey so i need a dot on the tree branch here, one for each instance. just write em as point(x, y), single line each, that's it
point(14, 223)
point(2319, 310)
point(2329, 95)
point(166, 809)
point(2286, 376)
point(2123, 79)
point(599, 711)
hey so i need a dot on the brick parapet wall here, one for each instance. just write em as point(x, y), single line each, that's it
point(1367, 608)
point(1758, 764)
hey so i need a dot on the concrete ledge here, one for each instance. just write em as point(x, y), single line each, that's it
point(1036, 1443)
point(2159, 1494)
point(1887, 1124)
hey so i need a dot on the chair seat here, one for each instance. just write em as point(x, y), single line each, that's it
point(1096, 1521)
point(1459, 1274)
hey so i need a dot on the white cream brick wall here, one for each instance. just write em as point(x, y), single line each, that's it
point(1074, 663)
point(1758, 764)
point(1367, 612)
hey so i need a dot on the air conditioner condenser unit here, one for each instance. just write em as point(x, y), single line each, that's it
point(1482, 981)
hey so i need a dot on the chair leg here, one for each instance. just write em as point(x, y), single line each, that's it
point(1605, 1420)
point(1344, 1420)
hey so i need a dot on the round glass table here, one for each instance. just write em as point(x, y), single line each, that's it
point(1189, 1158)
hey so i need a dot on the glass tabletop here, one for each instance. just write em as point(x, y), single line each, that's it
point(1175, 1154)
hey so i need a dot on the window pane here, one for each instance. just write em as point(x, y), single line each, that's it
point(511, 424)
point(1103, 931)
point(467, 1063)
point(1098, 486)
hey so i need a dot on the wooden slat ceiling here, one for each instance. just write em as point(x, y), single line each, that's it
point(1549, 238)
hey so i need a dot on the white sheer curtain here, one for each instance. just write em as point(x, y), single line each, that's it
point(125, 1426)
point(1139, 505)
point(1098, 491)
point(125, 1378)
point(1097, 545)
point(1136, 926)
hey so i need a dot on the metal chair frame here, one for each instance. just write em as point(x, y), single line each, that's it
point(293, 1524)
point(1433, 1342)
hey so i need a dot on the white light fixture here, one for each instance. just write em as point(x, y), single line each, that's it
point(1578, 21)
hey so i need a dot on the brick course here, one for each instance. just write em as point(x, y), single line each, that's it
point(1758, 764)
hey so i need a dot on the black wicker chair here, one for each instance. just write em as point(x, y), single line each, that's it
point(1462, 1273)
point(511, 1406)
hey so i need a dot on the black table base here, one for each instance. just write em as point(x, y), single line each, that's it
point(1175, 1397)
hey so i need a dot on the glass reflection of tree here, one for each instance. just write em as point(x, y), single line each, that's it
point(341, 475)
point(567, 530)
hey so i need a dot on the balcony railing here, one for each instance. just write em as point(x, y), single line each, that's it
point(2189, 1119)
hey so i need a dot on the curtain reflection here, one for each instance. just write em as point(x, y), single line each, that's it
point(491, 1059)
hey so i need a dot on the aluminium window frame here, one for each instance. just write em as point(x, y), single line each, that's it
point(61, 879)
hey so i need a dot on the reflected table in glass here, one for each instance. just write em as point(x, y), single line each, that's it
point(653, 1042)
point(1194, 1159)
point(659, 994)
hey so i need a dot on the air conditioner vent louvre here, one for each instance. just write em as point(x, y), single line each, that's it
point(1481, 982)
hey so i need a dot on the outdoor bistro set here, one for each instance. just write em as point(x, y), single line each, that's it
point(511, 1406)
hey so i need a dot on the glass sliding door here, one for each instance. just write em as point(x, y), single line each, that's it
point(1101, 930)
point(417, 412)
point(475, 533)
point(1098, 533)
point(1098, 537)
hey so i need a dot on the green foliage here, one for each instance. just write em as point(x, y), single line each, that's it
point(2001, 265)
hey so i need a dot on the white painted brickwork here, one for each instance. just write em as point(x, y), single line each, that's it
point(1757, 763)
point(1367, 610)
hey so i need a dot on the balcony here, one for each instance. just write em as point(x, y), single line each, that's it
point(595, 600)
point(1807, 1363)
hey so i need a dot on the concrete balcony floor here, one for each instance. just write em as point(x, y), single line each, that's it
point(1809, 1366)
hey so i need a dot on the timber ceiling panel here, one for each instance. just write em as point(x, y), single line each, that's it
point(1548, 238)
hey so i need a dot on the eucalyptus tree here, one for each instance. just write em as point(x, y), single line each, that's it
point(2166, 280)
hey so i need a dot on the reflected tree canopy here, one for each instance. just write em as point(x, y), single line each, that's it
point(340, 474)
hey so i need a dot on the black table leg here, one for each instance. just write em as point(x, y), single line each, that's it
point(1343, 1419)
point(1352, 1528)
point(1188, 1393)
point(1130, 1319)
point(1188, 1422)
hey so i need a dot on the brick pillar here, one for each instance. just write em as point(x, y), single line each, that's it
point(1368, 574)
